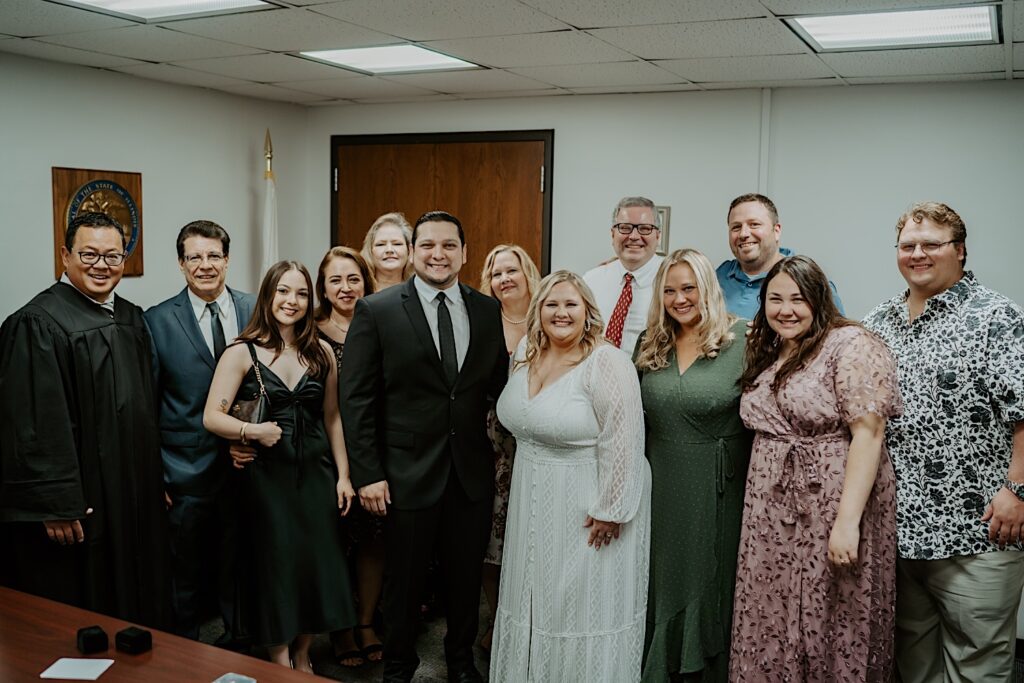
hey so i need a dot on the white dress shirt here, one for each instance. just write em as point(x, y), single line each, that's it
point(228, 319)
point(606, 282)
point(107, 305)
point(457, 309)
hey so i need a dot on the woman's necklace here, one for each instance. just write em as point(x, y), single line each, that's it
point(344, 330)
point(510, 321)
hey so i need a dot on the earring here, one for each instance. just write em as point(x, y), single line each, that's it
point(775, 342)
point(586, 326)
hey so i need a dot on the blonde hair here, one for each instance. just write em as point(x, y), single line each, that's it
point(714, 328)
point(530, 271)
point(396, 219)
point(537, 340)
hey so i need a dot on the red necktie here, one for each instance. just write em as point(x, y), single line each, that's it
point(613, 332)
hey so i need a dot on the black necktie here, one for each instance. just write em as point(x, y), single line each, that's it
point(446, 340)
point(218, 330)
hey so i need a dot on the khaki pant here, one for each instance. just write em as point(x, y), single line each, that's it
point(956, 618)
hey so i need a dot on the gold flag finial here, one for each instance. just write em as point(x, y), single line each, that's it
point(268, 153)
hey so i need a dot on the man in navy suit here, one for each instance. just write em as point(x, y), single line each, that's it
point(421, 361)
point(189, 332)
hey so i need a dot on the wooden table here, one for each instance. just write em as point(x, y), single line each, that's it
point(35, 632)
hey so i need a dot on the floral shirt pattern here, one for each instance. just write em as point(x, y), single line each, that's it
point(961, 369)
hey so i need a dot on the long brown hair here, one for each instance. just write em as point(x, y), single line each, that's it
point(763, 342)
point(324, 307)
point(263, 329)
point(714, 328)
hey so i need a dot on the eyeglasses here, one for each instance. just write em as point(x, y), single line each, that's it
point(214, 258)
point(91, 258)
point(929, 248)
point(628, 228)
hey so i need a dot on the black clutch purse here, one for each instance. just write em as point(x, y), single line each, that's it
point(256, 409)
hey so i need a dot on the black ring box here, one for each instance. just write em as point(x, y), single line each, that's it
point(92, 639)
point(134, 640)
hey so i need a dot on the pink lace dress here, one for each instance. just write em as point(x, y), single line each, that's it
point(795, 617)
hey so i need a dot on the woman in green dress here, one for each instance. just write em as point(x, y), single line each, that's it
point(690, 358)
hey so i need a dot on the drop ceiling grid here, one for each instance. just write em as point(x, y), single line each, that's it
point(535, 47)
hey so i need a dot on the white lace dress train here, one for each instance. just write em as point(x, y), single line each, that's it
point(567, 612)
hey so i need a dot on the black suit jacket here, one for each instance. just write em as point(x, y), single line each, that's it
point(403, 423)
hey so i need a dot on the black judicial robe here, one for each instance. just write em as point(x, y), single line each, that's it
point(78, 430)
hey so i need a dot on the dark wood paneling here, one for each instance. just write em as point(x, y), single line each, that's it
point(491, 181)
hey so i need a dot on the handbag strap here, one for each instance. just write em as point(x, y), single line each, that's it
point(256, 367)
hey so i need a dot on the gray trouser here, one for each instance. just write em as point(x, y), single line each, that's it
point(956, 618)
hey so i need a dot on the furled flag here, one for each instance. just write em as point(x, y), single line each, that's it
point(269, 249)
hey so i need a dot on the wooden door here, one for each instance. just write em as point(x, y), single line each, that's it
point(496, 187)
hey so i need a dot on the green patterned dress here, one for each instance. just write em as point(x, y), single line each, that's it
point(699, 450)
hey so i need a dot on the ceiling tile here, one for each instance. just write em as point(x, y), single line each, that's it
point(360, 87)
point(935, 60)
point(592, 75)
point(267, 68)
point(59, 53)
point(282, 31)
point(271, 92)
point(785, 83)
point(602, 13)
point(735, 38)
point(944, 78)
point(175, 74)
point(1018, 55)
point(306, 3)
point(399, 100)
point(533, 49)
point(477, 80)
point(776, 67)
point(150, 43)
point(790, 7)
point(439, 19)
point(628, 89)
point(35, 18)
point(1018, 21)
point(503, 94)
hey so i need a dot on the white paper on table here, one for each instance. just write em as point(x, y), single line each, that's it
point(72, 669)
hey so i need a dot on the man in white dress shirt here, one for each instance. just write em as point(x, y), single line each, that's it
point(623, 288)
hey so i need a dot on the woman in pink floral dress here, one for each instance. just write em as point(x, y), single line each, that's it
point(815, 585)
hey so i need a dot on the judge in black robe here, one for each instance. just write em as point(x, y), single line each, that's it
point(77, 432)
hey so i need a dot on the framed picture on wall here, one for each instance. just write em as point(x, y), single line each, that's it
point(117, 194)
point(664, 214)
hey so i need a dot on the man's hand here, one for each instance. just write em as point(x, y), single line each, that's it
point(241, 455)
point(1005, 517)
point(66, 531)
point(375, 497)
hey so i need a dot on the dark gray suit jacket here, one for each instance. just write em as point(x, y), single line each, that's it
point(194, 464)
point(403, 423)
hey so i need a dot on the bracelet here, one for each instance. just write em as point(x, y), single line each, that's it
point(241, 434)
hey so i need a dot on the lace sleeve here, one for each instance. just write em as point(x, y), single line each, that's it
point(866, 380)
point(615, 393)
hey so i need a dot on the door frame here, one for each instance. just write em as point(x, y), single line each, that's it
point(547, 136)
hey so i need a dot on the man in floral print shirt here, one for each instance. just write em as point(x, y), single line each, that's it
point(958, 452)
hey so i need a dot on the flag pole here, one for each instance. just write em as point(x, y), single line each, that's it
point(269, 250)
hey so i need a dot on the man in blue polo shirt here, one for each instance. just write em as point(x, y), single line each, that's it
point(754, 232)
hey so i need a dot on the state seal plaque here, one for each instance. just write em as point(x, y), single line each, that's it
point(115, 193)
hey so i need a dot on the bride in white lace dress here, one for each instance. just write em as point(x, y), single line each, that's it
point(573, 596)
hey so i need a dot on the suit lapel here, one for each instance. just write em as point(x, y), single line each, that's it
point(242, 311)
point(190, 326)
point(418, 319)
point(477, 333)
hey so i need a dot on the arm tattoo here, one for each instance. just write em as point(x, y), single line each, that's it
point(223, 405)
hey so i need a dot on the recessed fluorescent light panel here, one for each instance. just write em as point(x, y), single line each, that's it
point(159, 10)
point(886, 30)
point(390, 59)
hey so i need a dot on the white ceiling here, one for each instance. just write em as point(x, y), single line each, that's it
point(530, 47)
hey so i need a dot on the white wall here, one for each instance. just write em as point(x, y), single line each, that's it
point(200, 154)
point(842, 163)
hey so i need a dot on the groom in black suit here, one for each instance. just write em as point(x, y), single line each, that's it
point(421, 361)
